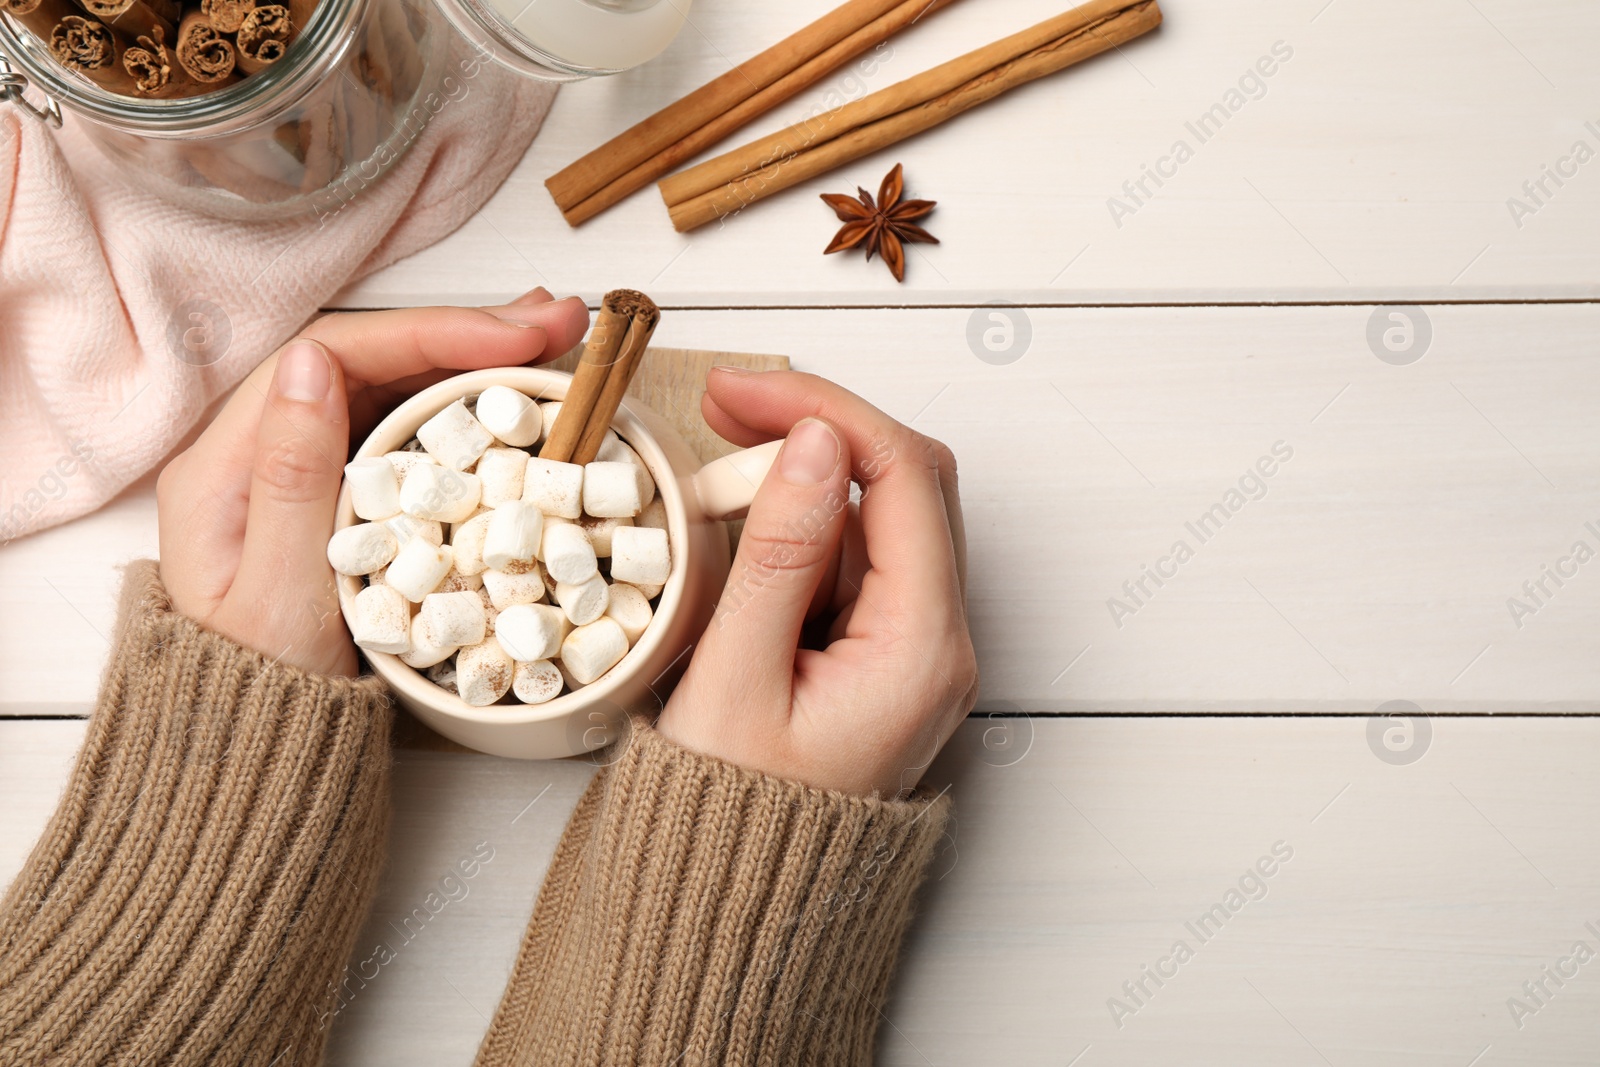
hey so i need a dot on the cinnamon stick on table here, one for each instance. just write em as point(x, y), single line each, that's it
point(722, 186)
point(613, 326)
point(682, 130)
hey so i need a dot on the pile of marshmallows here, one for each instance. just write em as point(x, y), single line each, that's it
point(474, 609)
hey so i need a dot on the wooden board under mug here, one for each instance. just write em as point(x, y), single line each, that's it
point(670, 382)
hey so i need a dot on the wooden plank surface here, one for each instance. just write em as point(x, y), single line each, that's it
point(1378, 162)
point(1417, 900)
point(1378, 566)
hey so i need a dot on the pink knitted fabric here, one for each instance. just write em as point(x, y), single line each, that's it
point(97, 277)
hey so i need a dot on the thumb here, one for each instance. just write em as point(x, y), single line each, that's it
point(283, 577)
point(790, 539)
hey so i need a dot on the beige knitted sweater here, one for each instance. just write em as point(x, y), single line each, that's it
point(199, 890)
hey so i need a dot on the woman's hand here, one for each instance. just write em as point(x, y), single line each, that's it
point(865, 705)
point(246, 512)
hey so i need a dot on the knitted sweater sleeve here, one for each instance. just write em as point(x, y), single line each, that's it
point(198, 892)
point(699, 913)
point(203, 879)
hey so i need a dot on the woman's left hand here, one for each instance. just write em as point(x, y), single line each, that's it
point(246, 512)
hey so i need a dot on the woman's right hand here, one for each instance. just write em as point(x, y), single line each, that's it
point(867, 708)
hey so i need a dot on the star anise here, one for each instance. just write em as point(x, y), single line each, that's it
point(882, 226)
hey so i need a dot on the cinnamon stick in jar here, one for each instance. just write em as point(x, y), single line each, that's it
point(226, 16)
point(205, 55)
point(263, 38)
point(136, 18)
point(154, 69)
point(41, 17)
point(89, 47)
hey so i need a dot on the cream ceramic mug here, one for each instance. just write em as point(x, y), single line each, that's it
point(697, 499)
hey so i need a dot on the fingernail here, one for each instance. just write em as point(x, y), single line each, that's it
point(810, 454)
point(722, 368)
point(303, 373)
point(528, 316)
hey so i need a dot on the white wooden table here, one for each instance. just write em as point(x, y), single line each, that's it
point(1148, 744)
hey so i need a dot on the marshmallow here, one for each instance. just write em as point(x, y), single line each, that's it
point(567, 553)
point(616, 450)
point(531, 631)
point(374, 490)
point(380, 621)
point(418, 569)
point(544, 572)
point(507, 590)
point(573, 685)
point(583, 601)
point(432, 491)
point(631, 610)
point(425, 650)
point(514, 533)
point(362, 548)
point(404, 528)
point(454, 437)
point(536, 682)
point(654, 515)
point(483, 672)
point(509, 415)
point(490, 612)
point(610, 490)
point(402, 462)
point(467, 540)
point(454, 619)
point(500, 472)
point(599, 532)
point(651, 590)
point(553, 487)
point(590, 651)
point(456, 582)
point(639, 554)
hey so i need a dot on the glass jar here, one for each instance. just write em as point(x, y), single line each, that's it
point(357, 86)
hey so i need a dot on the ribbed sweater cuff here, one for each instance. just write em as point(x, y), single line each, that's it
point(699, 913)
point(200, 886)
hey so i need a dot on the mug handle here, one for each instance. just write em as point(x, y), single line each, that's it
point(725, 487)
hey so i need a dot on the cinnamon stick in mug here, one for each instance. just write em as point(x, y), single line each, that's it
point(611, 326)
point(645, 317)
point(203, 53)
